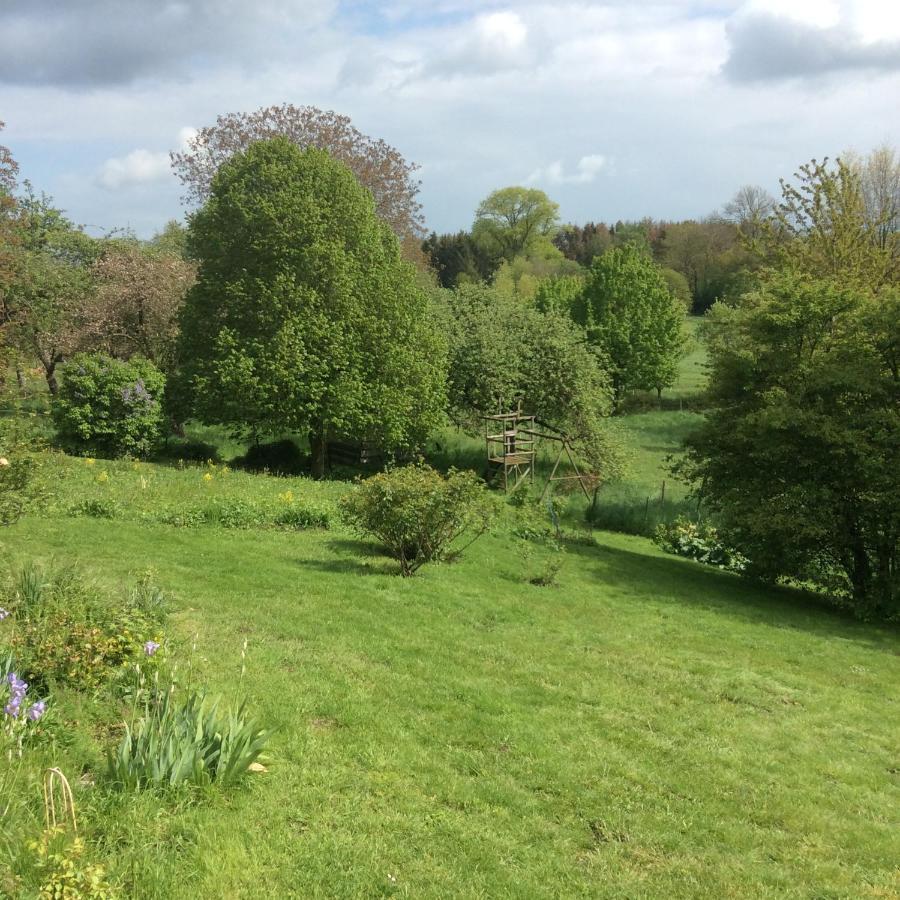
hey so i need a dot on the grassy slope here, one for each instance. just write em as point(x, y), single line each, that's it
point(649, 728)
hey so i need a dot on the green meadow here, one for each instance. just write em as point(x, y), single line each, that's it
point(644, 727)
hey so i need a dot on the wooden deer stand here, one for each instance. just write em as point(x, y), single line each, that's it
point(510, 447)
point(511, 438)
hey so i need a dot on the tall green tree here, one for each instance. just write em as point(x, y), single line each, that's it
point(633, 318)
point(800, 456)
point(823, 227)
point(48, 299)
point(511, 220)
point(506, 354)
point(303, 316)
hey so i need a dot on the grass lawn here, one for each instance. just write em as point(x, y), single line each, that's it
point(647, 728)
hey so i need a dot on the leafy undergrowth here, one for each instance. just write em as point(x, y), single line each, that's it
point(644, 727)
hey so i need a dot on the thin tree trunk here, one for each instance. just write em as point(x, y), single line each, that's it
point(52, 383)
point(318, 451)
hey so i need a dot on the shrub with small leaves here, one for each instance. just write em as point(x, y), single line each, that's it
point(19, 467)
point(67, 632)
point(417, 513)
point(64, 872)
point(699, 541)
point(110, 406)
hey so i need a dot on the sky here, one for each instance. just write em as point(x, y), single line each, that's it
point(617, 109)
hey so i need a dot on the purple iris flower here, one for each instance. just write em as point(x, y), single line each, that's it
point(151, 647)
point(3, 613)
point(36, 710)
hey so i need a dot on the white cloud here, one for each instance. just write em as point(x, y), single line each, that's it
point(586, 171)
point(138, 167)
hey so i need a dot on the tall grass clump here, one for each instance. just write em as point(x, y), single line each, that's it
point(186, 739)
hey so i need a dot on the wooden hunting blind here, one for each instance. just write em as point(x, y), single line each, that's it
point(511, 439)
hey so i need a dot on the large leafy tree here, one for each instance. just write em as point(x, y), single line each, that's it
point(47, 301)
point(800, 456)
point(633, 318)
point(507, 354)
point(379, 167)
point(139, 292)
point(824, 227)
point(303, 316)
point(510, 221)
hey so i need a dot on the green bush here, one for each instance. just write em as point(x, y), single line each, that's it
point(282, 457)
point(18, 470)
point(237, 513)
point(108, 406)
point(66, 632)
point(296, 517)
point(416, 513)
point(186, 740)
point(699, 541)
point(96, 508)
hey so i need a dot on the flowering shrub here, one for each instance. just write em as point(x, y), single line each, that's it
point(417, 513)
point(700, 542)
point(109, 406)
point(186, 739)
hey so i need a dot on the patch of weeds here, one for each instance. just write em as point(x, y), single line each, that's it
point(96, 508)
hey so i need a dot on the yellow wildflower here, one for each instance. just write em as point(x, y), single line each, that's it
point(89, 461)
point(207, 478)
point(102, 478)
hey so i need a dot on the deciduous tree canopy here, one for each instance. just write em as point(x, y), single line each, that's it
point(379, 167)
point(511, 220)
point(303, 316)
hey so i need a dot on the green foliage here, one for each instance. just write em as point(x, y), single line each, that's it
point(63, 872)
point(822, 228)
point(416, 513)
point(95, 507)
point(236, 512)
point(511, 221)
point(632, 317)
point(19, 469)
point(679, 287)
point(459, 259)
point(505, 354)
point(582, 243)
point(799, 456)
point(559, 294)
point(109, 406)
point(304, 317)
point(66, 632)
point(186, 739)
point(282, 457)
point(523, 275)
point(699, 541)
